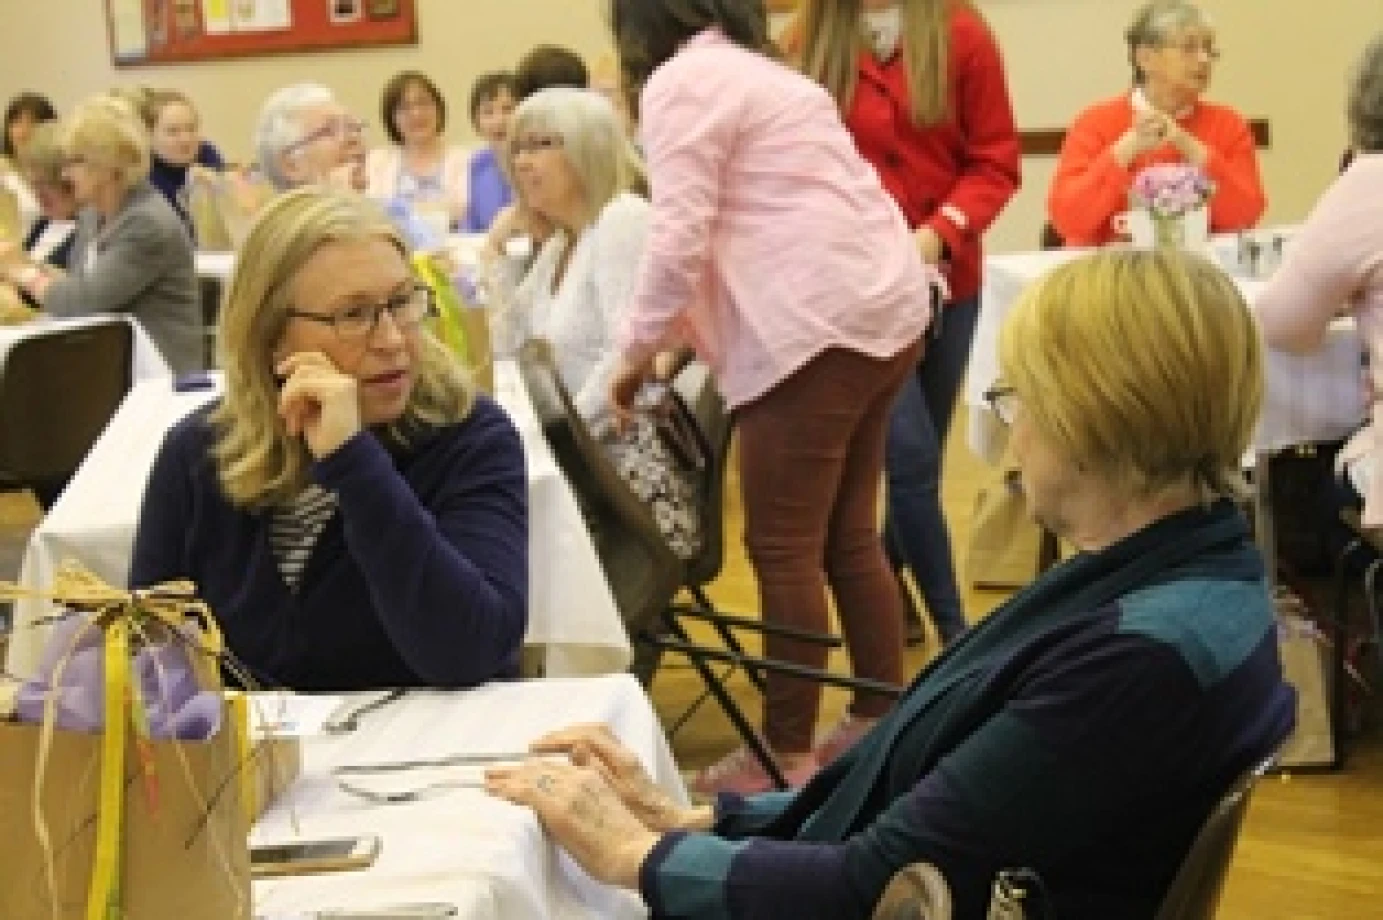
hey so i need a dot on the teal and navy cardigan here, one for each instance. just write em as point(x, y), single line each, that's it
point(1083, 730)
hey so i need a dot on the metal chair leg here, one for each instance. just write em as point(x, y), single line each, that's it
point(751, 738)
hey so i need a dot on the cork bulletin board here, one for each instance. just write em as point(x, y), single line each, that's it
point(176, 31)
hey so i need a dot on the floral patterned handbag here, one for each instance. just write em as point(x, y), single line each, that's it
point(664, 457)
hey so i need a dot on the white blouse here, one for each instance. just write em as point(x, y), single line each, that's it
point(583, 317)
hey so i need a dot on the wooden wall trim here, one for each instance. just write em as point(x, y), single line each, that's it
point(1046, 142)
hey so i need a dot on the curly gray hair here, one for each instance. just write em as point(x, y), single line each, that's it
point(1366, 100)
point(1157, 21)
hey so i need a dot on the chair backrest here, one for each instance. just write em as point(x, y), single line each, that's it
point(1196, 889)
point(642, 570)
point(57, 392)
point(211, 293)
point(698, 387)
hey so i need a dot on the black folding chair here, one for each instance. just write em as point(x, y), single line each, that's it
point(642, 571)
point(709, 409)
point(58, 390)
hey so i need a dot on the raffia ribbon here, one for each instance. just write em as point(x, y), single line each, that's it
point(124, 618)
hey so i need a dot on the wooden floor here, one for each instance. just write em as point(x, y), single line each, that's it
point(1312, 846)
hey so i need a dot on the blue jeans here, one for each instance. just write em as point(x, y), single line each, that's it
point(915, 529)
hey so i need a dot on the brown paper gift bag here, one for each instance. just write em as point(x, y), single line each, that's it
point(112, 824)
point(1004, 543)
point(176, 864)
point(1306, 666)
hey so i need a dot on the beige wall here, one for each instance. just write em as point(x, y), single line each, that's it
point(1284, 60)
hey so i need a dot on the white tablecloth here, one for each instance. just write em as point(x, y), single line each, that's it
point(459, 845)
point(571, 613)
point(147, 361)
point(1316, 397)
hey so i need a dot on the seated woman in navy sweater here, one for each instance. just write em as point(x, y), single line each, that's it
point(1085, 728)
point(352, 510)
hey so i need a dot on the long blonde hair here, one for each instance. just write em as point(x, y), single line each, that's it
point(259, 465)
point(826, 42)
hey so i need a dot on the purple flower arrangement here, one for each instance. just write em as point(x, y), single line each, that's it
point(1171, 189)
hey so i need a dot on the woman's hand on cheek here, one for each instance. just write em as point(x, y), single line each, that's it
point(317, 402)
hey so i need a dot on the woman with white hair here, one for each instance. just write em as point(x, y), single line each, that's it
point(304, 136)
point(574, 167)
point(130, 253)
point(1163, 119)
point(354, 512)
point(1335, 266)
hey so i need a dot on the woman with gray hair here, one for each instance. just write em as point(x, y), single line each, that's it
point(1335, 266)
point(304, 136)
point(573, 166)
point(1163, 119)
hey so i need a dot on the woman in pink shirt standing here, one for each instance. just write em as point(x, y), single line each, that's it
point(1335, 267)
point(775, 252)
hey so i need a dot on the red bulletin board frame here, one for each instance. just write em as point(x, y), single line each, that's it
point(381, 22)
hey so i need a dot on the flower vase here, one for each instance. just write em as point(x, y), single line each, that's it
point(1169, 231)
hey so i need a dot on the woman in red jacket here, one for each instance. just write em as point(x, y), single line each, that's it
point(927, 103)
point(1162, 120)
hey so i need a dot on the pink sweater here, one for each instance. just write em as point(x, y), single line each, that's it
point(1335, 267)
point(771, 239)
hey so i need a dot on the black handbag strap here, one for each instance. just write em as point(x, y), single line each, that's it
point(681, 433)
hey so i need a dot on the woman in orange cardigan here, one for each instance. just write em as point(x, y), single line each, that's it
point(1162, 120)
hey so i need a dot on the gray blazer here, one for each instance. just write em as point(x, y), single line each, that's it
point(144, 267)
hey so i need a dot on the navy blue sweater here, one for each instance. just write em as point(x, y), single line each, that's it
point(419, 579)
point(1083, 730)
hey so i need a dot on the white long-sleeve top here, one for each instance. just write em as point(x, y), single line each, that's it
point(581, 315)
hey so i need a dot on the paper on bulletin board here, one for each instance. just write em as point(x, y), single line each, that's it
point(216, 17)
point(129, 39)
point(261, 15)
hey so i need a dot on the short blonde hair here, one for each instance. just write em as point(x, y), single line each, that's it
point(1145, 368)
point(107, 133)
point(258, 463)
point(593, 141)
point(42, 158)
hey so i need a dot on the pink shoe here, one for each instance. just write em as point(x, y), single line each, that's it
point(843, 737)
point(741, 773)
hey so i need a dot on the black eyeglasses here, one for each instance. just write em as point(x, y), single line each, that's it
point(532, 143)
point(1003, 402)
point(358, 322)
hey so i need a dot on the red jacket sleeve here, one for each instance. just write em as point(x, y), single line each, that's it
point(1090, 186)
point(1232, 163)
point(992, 169)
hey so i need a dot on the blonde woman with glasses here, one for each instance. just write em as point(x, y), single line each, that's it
point(352, 510)
point(130, 254)
point(1173, 48)
point(1085, 728)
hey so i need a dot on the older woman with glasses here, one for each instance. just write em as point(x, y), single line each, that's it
point(1163, 119)
point(130, 253)
point(351, 508)
point(304, 136)
point(1085, 728)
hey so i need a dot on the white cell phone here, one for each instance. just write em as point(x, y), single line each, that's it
point(313, 856)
